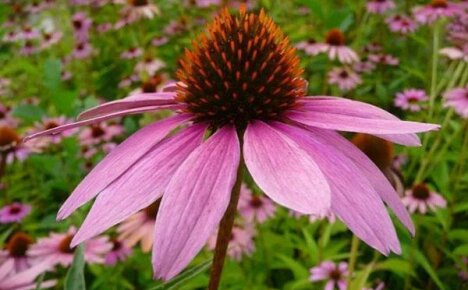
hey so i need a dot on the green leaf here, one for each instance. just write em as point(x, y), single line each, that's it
point(28, 113)
point(461, 250)
point(421, 259)
point(75, 277)
point(395, 265)
point(52, 71)
point(296, 267)
point(185, 276)
point(359, 282)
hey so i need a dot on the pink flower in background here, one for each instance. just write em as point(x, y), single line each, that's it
point(379, 6)
point(99, 133)
point(49, 39)
point(308, 46)
point(401, 24)
point(56, 248)
point(82, 50)
point(23, 280)
point(421, 198)
point(456, 53)
point(334, 274)
point(255, 207)
point(11, 145)
point(132, 52)
point(149, 66)
point(35, 7)
point(139, 9)
point(289, 146)
point(206, 3)
point(334, 46)
point(10, 36)
point(119, 252)
point(6, 119)
point(345, 78)
point(104, 27)
point(50, 123)
point(81, 25)
point(364, 66)
point(372, 47)
point(29, 48)
point(16, 250)
point(458, 100)
point(139, 228)
point(14, 213)
point(435, 10)
point(28, 33)
point(159, 41)
point(384, 59)
point(241, 243)
point(410, 99)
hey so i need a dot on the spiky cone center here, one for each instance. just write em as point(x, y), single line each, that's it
point(335, 37)
point(380, 151)
point(421, 191)
point(242, 68)
point(19, 244)
point(8, 138)
point(64, 245)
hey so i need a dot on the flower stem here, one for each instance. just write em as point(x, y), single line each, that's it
point(435, 60)
point(225, 231)
point(352, 258)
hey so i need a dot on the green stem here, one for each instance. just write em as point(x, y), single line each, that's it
point(461, 165)
point(225, 231)
point(435, 59)
point(352, 258)
point(425, 161)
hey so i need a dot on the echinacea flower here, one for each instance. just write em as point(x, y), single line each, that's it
point(345, 78)
point(50, 38)
point(333, 274)
point(149, 66)
point(458, 100)
point(379, 6)
point(57, 249)
point(240, 243)
point(140, 228)
point(410, 99)
point(455, 53)
point(139, 9)
point(420, 198)
point(364, 66)
point(16, 250)
point(50, 123)
point(385, 59)
point(242, 81)
point(28, 48)
point(132, 52)
point(28, 33)
point(206, 3)
point(14, 213)
point(81, 25)
point(335, 47)
point(23, 280)
point(119, 252)
point(6, 119)
point(255, 207)
point(434, 10)
point(401, 24)
point(99, 133)
point(159, 41)
point(82, 50)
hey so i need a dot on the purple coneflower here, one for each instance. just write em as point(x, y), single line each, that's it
point(81, 25)
point(255, 207)
point(458, 100)
point(420, 198)
point(410, 99)
point(50, 123)
point(16, 250)
point(240, 242)
point(50, 38)
point(242, 83)
point(29, 48)
point(140, 228)
point(119, 252)
point(345, 78)
point(25, 279)
point(333, 274)
point(456, 53)
point(132, 52)
point(435, 10)
point(385, 59)
point(139, 9)
point(364, 66)
point(379, 6)
point(207, 3)
point(6, 119)
point(335, 47)
point(82, 50)
point(28, 33)
point(14, 213)
point(401, 24)
point(159, 41)
point(57, 249)
point(149, 66)
point(99, 133)
point(11, 145)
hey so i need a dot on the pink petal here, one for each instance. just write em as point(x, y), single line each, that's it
point(118, 161)
point(131, 102)
point(370, 170)
point(62, 128)
point(348, 115)
point(354, 199)
point(27, 276)
point(284, 171)
point(194, 202)
point(142, 184)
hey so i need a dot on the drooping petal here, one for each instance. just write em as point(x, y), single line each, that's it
point(348, 115)
point(284, 171)
point(91, 121)
point(354, 199)
point(130, 102)
point(25, 277)
point(142, 184)
point(371, 171)
point(118, 161)
point(194, 202)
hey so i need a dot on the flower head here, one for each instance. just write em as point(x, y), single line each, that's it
point(335, 47)
point(380, 6)
point(254, 207)
point(241, 82)
point(420, 198)
point(401, 24)
point(410, 99)
point(240, 244)
point(119, 252)
point(334, 274)
point(16, 250)
point(345, 78)
point(25, 279)
point(458, 100)
point(14, 213)
point(434, 10)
